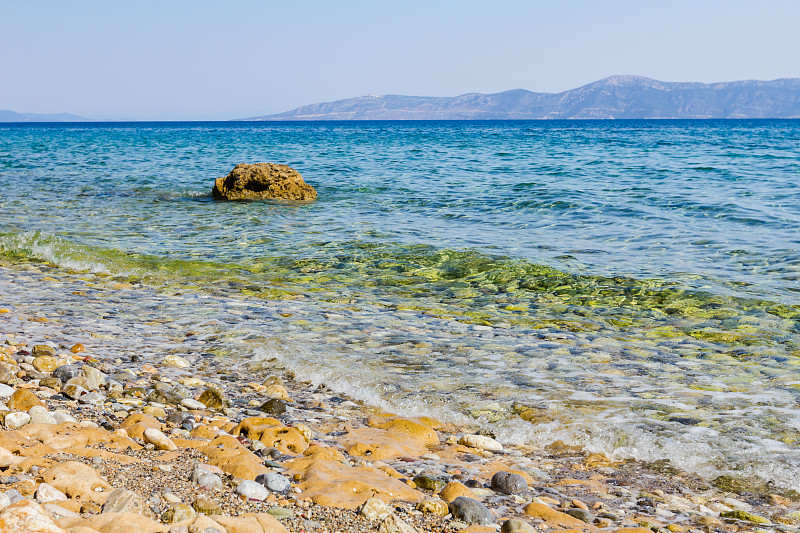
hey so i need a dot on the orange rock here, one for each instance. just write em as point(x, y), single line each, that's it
point(136, 423)
point(27, 516)
point(78, 481)
point(203, 431)
point(271, 432)
point(480, 529)
point(327, 481)
point(70, 438)
point(115, 523)
point(250, 523)
point(416, 429)
point(227, 453)
point(454, 489)
point(77, 347)
point(22, 400)
point(555, 518)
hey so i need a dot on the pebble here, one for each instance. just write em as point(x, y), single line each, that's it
point(252, 490)
point(192, 404)
point(509, 483)
point(73, 390)
point(45, 363)
point(23, 399)
point(273, 407)
point(581, 514)
point(470, 511)
point(430, 482)
point(205, 506)
point(178, 513)
point(481, 442)
point(92, 398)
point(60, 417)
point(16, 420)
point(281, 513)
point(94, 378)
point(6, 391)
point(274, 482)
point(158, 439)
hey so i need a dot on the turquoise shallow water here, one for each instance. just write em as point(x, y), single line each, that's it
point(631, 287)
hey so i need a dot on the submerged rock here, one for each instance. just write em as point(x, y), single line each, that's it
point(262, 181)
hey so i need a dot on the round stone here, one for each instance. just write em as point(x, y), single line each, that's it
point(515, 525)
point(206, 506)
point(23, 399)
point(16, 420)
point(178, 513)
point(252, 490)
point(192, 404)
point(470, 511)
point(40, 415)
point(158, 439)
point(275, 482)
point(273, 407)
point(43, 349)
point(509, 483)
point(45, 363)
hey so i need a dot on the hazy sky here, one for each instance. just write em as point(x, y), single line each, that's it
point(217, 60)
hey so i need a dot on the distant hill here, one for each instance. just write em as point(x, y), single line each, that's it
point(617, 97)
point(13, 116)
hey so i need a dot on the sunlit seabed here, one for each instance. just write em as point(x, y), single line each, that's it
point(598, 308)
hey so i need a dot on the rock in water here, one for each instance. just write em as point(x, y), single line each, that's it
point(262, 181)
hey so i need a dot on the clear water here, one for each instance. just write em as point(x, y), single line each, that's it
point(631, 287)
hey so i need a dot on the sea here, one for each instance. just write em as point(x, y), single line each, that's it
point(626, 287)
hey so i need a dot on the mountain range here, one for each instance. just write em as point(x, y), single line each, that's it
point(617, 97)
point(12, 116)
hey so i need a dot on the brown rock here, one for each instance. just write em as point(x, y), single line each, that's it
point(6, 374)
point(227, 453)
point(555, 518)
point(22, 400)
point(262, 181)
point(77, 347)
point(42, 349)
point(272, 433)
point(454, 489)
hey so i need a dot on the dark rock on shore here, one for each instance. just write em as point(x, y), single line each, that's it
point(263, 181)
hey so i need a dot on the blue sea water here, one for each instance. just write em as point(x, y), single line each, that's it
point(630, 286)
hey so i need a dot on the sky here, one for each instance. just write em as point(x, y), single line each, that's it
point(215, 60)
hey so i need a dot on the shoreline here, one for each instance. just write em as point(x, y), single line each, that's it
point(334, 453)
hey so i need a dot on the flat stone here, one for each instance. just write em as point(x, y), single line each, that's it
point(281, 513)
point(252, 490)
point(470, 511)
point(509, 483)
point(515, 525)
point(92, 398)
point(158, 439)
point(51, 383)
point(581, 514)
point(273, 407)
point(124, 501)
point(192, 404)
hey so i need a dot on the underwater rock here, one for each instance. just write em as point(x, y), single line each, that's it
point(262, 181)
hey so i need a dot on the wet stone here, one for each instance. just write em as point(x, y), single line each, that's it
point(73, 390)
point(509, 483)
point(65, 372)
point(22, 400)
point(273, 407)
point(470, 511)
point(166, 397)
point(430, 482)
point(43, 349)
point(51, 383)
point(213, 398)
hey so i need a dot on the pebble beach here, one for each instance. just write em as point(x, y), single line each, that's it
point(168, 443)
